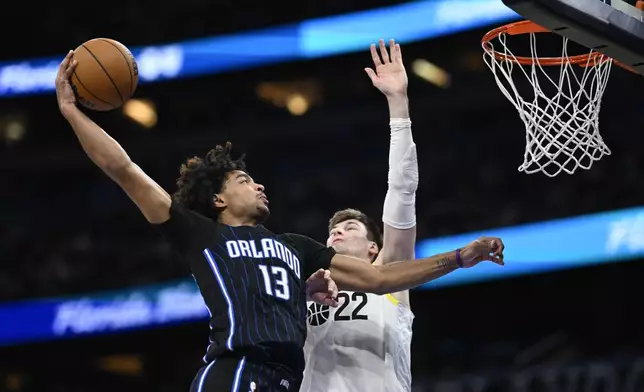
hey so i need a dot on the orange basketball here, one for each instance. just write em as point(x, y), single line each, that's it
point(106, 75)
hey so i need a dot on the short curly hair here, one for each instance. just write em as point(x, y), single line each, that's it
point(201, 178)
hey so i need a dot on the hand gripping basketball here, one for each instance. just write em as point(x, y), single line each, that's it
point(484, 248)
point(322, 289)
point(64, 92)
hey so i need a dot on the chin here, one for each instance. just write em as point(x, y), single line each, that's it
point(341, 249)
point(348, 251)
point(263, 214)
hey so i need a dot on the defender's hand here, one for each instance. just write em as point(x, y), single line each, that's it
point(64, 92)
point(322, 289)
point(389, 76)
point(484, 248)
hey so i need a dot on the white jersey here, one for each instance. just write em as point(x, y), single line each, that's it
point(362, 345)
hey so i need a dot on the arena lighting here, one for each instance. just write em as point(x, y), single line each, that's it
point(296, 96)
point(297, 104)
point(431, 73)
point(314, 38)
point(274, 93)
point(531, 248)
point(14, 382)
point(142, 111)
point(125, 364)
point(12, 129)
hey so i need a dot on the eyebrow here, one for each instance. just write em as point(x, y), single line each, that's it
point(244, 175)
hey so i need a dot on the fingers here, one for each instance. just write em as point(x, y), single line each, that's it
point(333, 291)
point(65, 63)
point(374, 56)
point(383, 51)
point(393, 55)
point(488, 249)
point(394, 51)
point(497, 259)
point(67, 66)
point(492, 248)
point(496, 247)
point(332, 288)
point(397, 57)
point(372, 75)
point(317, 274)
point(331, 302)
point(70, 70)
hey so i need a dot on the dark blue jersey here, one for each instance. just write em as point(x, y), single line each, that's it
point(253, 282)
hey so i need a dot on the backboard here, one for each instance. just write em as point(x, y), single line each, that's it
point(612, 27)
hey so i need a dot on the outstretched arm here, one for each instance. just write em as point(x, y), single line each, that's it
point(352, 274)
point(399, 211)
point(153, 201)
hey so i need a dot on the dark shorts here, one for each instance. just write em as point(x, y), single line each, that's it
point(240, 375)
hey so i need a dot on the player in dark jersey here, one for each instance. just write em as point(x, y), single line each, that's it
point(252, 280)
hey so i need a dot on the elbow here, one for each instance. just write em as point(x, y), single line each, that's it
point(400, 249)
point(115, 161)
point(118, 170)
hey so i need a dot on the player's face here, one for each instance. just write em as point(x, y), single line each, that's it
point(350, 238)
point(244, 198)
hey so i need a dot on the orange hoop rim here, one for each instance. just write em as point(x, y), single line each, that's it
point(529, 27)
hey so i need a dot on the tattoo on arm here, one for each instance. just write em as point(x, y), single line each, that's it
point(444, 263)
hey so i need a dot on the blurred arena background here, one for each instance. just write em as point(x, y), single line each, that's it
point(91, 299)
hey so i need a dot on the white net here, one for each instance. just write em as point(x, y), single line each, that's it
point(561, 115)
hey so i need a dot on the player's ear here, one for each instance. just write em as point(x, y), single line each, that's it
point(218, 201)
point(373, 248)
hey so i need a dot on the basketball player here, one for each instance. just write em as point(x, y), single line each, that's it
point(365, 344)
point(252, 280)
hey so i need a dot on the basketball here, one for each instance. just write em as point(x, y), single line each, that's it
point(106, 75)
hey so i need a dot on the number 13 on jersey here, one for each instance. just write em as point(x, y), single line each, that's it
point(275, 281)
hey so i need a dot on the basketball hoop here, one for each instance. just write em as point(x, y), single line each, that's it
point(562, 125)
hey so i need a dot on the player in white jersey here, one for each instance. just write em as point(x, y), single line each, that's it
point(364, 344)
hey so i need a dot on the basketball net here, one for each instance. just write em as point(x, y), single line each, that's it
point(561, 116)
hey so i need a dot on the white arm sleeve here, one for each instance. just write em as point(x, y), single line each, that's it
point(399, 210)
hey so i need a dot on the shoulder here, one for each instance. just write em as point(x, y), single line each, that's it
point(184, 223)
point(295, 238)
point(308, 248)
point(180, 211)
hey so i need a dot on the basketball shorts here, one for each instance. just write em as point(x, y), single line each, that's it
point(240, 375)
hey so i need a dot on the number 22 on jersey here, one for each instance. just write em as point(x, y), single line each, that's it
point(360, 300)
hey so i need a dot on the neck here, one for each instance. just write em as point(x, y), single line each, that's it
point(366, 258)
point(227, 219)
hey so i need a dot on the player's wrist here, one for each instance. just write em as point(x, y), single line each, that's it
point(68, 110)
point(457, 258)
point(397, 96)
point(398, 105)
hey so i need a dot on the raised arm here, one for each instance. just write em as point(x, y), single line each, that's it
point(352, 274)
point(399, 210)
point(153, 201)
